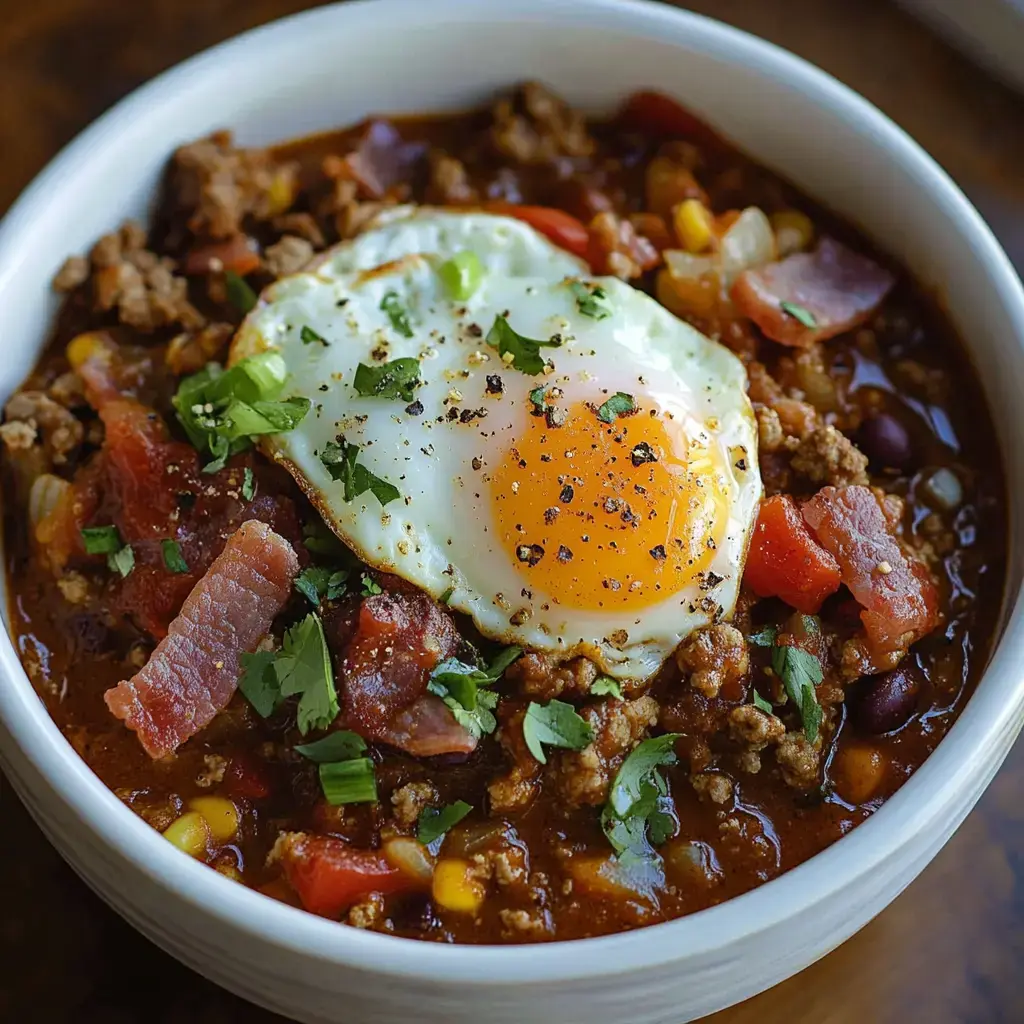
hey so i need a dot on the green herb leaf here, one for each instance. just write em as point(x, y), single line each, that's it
point(101, 540)
point(173, 558)
point(240, 294)
point(248, 484)
point(538, 396)
point(122, 561)
point(319, 539)
point(259, 683)
point(392, 305)
point(763, 705)
point(555, 724)
point(436, 821)
point(341, 745)
point(396, 379)
point(320, 583)
point(525, 352)
point(765, 637)
point(311, 337)
point(804, 316)
point(370, 586)
point(800, 672)
point(303, 668)
point(339, 458)
point(462, 275)
point(620, 404)
point(591, 300)
point(463, 688)
point(605, 686)
point(349, 782)
point(446, 596)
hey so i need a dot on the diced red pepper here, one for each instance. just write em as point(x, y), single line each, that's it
point(561, 228)
point(237, 253)
point(246, 779)
point(653, 113)
point(786, 561)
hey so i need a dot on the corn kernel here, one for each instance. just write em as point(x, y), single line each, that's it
point(692, 223)
point(281, 193)
point(87, 346)
point(221, 816)
point(455, 889)
point(190, 834)
point(229, 871)
point(793, 231)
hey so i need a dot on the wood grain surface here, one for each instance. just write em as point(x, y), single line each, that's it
point(950, 949)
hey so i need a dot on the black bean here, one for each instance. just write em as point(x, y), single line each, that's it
point(886, 442)
point(884, 703)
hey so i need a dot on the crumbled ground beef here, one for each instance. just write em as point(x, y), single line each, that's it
point(582, 777)
point(303, 225)
point(515, 790)
point(409, 801)
point(754, 728)
point(534, 126)
point(524, 923)
point(74, 587)
point(33, 416)
point(799, 760)
point(826, 456)
point(190, 351)
point(368, 913)
point(713, 786)
point(287, 256)
point(506, 866)
point(714, 656)
point(544, 676)
point(449, 182)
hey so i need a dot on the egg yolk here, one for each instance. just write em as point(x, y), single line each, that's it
point(608, 516)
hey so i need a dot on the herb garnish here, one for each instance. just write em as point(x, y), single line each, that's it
point(463, 688)
point(311, 337)
point(538, 397)
point(122, 561)
point(239, 292)
point(804, 316)
point(349, 782)
point(319, 583)
point(524, 352)
point(174, 560)
point(462, 275)
point(764, 637)
point(371, 588)
point(761, 704)
point(339, 458)
point(396, 379)
point(591, 300)
point(605, 686)
point(555, 724)
point(392, 305)
point(633, 818)
point(436, 821)
point(248, 484)
point(800, 672)
point(620, 404)
point(223, 410)
point(106, 540)
point(341, 745)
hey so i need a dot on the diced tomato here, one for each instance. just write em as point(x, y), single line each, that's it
point(561, 228)
point(786, 561)
point(653, 113)
point(246, 778)
point(898, 597)
point(330, 875)
point(237, 253)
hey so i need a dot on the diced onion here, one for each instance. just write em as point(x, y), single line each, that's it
point(945, 489)
point(410, 857)
point(47, 490)
point(750, 242)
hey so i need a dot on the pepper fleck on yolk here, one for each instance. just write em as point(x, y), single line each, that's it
point(608, 516)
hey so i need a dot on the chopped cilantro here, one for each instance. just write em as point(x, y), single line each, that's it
point(349, 782)
point(396, 379)
point(804, 316)
point(122, 561)
point(555, 724)
point(259, 683)
point(605, 686)
point(463, 688)
point(446, 596)
point(370, 586)
point(538, 396)
point(303, 668)
point(591, 300)
point(763, 705)
point(173, 558)
point(392, 305)
point(462, 275)
point(339, 458)
point(240, 294)
point(341, 745)
point(524, 352)
point(620, 404)
point(436, 821)
point(311, 337)
point(321, 583)
point(319, 539)
point(800, 672)
point(248, 484)
point(101, 540)
point(764, 637)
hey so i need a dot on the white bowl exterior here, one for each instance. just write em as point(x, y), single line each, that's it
point(332, 66)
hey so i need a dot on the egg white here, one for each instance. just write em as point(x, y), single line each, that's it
point(440, 534)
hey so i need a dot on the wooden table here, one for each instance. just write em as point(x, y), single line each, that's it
point(949, 950)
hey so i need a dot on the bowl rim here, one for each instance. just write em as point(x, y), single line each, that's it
point(929, 797)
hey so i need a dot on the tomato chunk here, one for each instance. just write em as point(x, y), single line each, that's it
point(653, 113)
point(898, 597)
point(330, 875)
point(561, 228)
point(786, 561)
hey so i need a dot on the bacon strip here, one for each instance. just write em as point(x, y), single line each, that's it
point(194, 670)
point(899, 598)
point(839, 288)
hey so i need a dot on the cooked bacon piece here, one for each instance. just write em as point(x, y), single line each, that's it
point(398, 640)
point(899, 598)
point(379, 162)
point(839, 288)
point(330, 874)
point(194, 670)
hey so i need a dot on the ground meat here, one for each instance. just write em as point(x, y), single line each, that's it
point(753, 728)
point(190, 351)
point(524, 924)
point(73, 272)
point(534, 126)
point(829, 457)
point(618, 249)
point(368, 913)
point(214, 767)
point(714, 656)
point(410, 800)
point(303, 225)
point(220, 184)
point(544, 676)
point(515, 790)
point(32, 416)
point(770, 435)
point(582, 777)
point(74, 587)
point(799, 760)
point(506, 866)
point(449, 182)
point(713, 786)
point(288, 256)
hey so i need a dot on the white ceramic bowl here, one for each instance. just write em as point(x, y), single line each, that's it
point(329, 67)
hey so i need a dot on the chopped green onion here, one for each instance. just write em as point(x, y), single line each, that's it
point(462, 275)
point(173, 558)
point(240, 294)
point(804, 316)
point(101, 540)
point(392, 306)
point(349, 782)
point(338, 746)
point(434, 822)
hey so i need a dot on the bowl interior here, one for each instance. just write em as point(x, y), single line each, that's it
point(333, 66)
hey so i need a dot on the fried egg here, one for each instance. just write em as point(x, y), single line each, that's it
point(576, 468)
